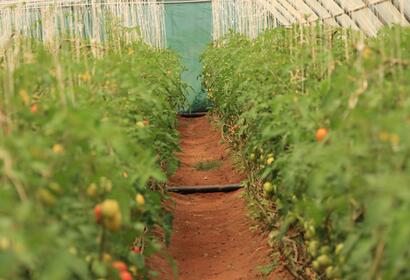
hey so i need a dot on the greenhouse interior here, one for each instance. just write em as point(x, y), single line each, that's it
point(204, 139)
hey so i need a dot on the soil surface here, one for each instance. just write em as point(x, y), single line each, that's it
point(212, 237)
point(201, 143)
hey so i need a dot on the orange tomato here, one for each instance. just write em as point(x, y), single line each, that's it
point(321, 133)
point(33, 108)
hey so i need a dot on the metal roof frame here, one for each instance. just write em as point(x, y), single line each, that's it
point(367, 15)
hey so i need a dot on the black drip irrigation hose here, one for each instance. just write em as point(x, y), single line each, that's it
point(193, 115)
point(204, 189)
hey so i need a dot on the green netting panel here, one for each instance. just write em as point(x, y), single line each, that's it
point(189, 31)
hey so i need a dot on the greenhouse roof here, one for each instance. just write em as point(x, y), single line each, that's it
point(366, 15)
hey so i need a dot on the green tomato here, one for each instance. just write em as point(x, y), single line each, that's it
point(331, 272)
point(324, 260)
point(310, 233)
point(268, 187)
point(324, 250)
point(5, 243)
point(55, 188)
point(339, 248)
point(316, 265)
point(313, 248)
point(46, 197)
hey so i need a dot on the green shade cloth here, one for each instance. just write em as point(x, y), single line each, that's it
point(189, 31)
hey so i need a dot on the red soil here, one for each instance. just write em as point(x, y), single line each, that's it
point(212, 237)
point(200, 142)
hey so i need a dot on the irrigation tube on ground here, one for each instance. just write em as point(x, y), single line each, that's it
point(204, 189)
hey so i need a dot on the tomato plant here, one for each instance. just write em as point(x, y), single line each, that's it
point(86, 145)
point(323, 118)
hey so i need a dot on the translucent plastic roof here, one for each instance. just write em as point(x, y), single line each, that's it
point(366, 15)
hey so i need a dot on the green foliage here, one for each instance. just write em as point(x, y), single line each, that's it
point(207, 165)
point(349, 193)
point(75, 132)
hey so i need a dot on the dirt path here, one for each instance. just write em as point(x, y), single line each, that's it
point(212, 239)
point(200, 143)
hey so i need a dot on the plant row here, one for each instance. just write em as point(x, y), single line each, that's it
point(85, 145)
point(321, 117)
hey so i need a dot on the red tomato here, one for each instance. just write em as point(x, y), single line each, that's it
point(125, 275)
point(137, 250)
point(98, 213)
point(121, 266)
